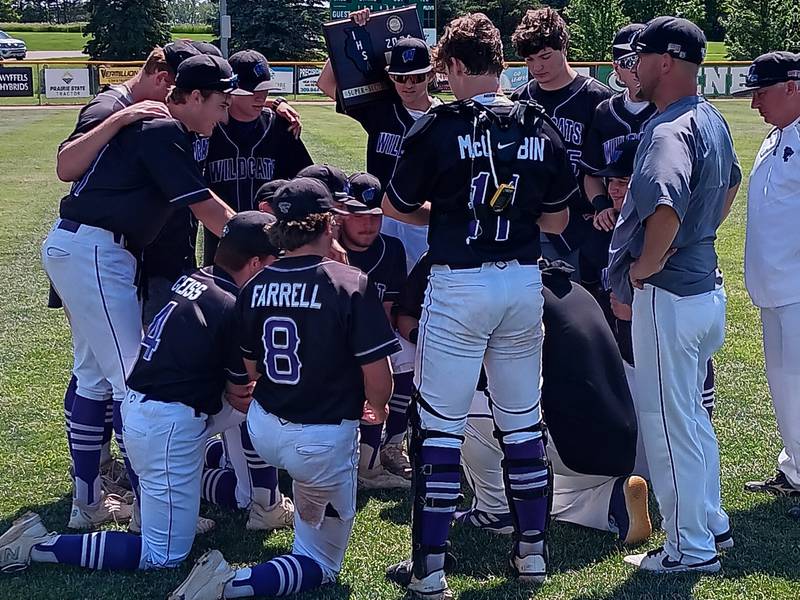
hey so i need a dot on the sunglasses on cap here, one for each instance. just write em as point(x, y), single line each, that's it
point(628, 61)
point(401, 79)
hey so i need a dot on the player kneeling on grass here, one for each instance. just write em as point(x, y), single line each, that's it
point(188, 357)
point(317, 341)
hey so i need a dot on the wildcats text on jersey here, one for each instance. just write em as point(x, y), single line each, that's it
point(284, 295)
point(233, 169)
point(389, 143)
point(530, 148)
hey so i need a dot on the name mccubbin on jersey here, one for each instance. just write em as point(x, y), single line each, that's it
point(284, 295)
point(531, 148)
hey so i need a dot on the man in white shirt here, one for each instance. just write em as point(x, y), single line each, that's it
point(772, 251)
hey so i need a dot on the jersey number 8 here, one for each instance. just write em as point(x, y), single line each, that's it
point(281, 342)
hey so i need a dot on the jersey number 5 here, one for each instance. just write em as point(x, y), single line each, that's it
point(281, 342)
point(152, 338)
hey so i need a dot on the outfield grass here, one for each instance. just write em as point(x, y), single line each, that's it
point(586, 565)
point(716, 51)
point(55, 41)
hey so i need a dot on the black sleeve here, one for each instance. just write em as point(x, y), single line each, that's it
point(592, 157)
point(396, 255)
point(371, 337)
point(168, 156)
point(293, 155)
point(246, 331)
point(415, 173)
point(235, 371)
point(90, 117)
point(563, 185)
point(413, 293)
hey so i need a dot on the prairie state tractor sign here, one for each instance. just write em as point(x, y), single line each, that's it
point(66, 83)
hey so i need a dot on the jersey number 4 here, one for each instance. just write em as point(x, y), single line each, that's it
point(153, 336)
point(281, 342)
point(500, 225)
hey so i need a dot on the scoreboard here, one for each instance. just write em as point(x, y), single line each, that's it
point(426, 9)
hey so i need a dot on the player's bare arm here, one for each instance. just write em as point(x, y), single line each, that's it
point(213, 213)
point(660, 231)
point(252, 370)
point(554, 222)
point(239, 396)
point(420, 216)
point(378, 387)
point(75, 157)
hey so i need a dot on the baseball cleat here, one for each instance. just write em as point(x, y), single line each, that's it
point(431, 587)
point(395, 460)
point(207, 579)
point(639, 526)
point(529, 569)
point(277, 516)
point(499, 523)
point(110, 509)
point(777, 486)
point(379, 478)
point(658, 561)
point(204, 525)
point(724, 541)
point(16, 543)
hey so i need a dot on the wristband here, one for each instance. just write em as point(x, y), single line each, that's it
point(413, 335)
point(277, 101)
point(601, 202)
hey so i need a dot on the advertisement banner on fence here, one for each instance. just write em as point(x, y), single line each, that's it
point(513, 77)
point(66, 83)
point(115, 75)
point(307, 79)
point(283, 79)
point(712, 80)
point(16, 82)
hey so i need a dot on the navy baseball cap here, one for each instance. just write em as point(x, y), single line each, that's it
point(247, 232)
point(621, 164)
point(677, 37)
point(207, 48)
point(367, 195)
point(769, 69)
point(331, 176)
point(302, 197)
point(207, 72)
point(621, 46)
point(177, 52)
point(410, 56)
point(253, 71)
point(266, 193)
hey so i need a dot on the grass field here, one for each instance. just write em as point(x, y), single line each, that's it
point(586, 565)
point(55, 41)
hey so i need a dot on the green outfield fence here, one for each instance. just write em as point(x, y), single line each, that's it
point(49, 82)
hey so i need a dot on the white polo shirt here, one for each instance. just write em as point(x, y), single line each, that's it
point(772, 246)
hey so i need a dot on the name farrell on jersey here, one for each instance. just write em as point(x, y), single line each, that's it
point(285, 295)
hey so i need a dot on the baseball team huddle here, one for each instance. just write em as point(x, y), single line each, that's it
point(523, 289)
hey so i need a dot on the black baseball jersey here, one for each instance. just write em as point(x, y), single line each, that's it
point(191, 348)
point(412, 293)
point(384, 262)
point(99, 108)
point(147, 171)
point(613, 123)
point(572, 108)
point(242, 156)
point(445, 160)
point(386, 122)
point(310, 323)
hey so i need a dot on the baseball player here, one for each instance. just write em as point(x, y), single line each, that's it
point(388, 121)
point(315, 336)
point(117, 106)
point(383, 259)
point(488, 174)
point(188, 357)
point(771, 259)
point(149, 169)
point(254, 146)
point(597, 439)
point(685, 178)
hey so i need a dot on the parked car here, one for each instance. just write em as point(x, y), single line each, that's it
point(11, 47)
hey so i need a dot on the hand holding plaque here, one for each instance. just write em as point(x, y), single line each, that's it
point(359, 53)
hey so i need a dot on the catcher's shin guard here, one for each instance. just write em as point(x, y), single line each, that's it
point(435, 487)
point(528, 480)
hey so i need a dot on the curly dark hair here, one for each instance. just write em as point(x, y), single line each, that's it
point(540, 28)
point(474, 40)
point(290, 235)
